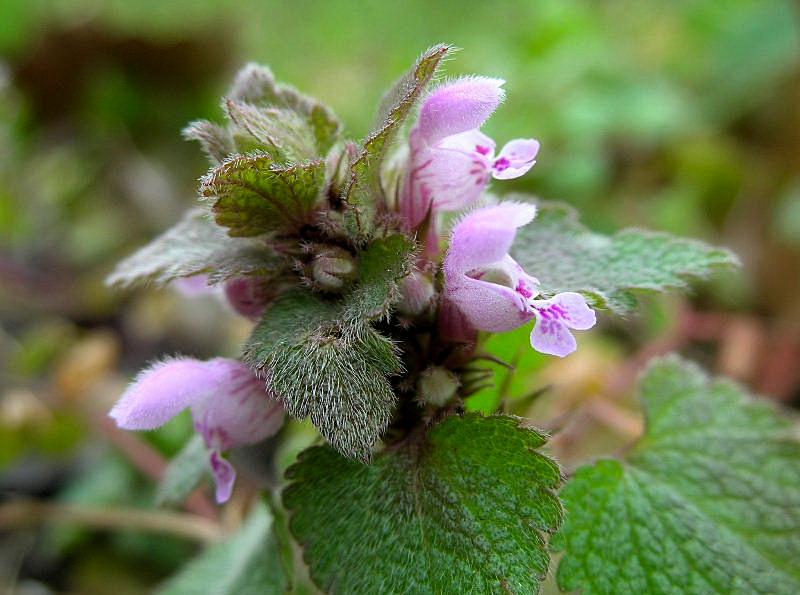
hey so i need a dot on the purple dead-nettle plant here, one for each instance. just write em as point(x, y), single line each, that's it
point(370, 319)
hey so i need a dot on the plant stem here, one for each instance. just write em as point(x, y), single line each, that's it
point(31, 513)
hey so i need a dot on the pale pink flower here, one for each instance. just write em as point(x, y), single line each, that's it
point(493, 293)
point(230, 407)
point(451, 161)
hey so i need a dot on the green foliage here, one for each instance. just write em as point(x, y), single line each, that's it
point(246, 564)
point(463, 509)
point(280, 132)
point(364, 187)
point(381, 266)
point(706, 501)
point(565, 256)
point(331, 369)
point(253, 195)
point(256, 85)
point(183, 473)
point(195, 246)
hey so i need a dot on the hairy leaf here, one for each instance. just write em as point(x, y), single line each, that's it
point(706, 502)
point(195, 246)
point(327, 368)
point(183, 473)
point(253, 195)
point(256, 85)
point(279, 132)
point(363, 191)
point(565, 256)
point(215, 140)
point(246, 564)
point(465, 509)
point(381, 266)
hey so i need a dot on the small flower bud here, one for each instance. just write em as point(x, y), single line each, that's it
point(248, 296)
point(417, 294)
point(437, 385)
point(332, 268)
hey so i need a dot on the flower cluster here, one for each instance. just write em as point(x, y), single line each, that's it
point(450, 164)
point(476, 286)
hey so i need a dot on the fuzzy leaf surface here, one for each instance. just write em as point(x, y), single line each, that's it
point(465, 509)
point(253, 195)
point(195, 246)
point(280, 132)
point(256, 85)
point(566, 256)
point(363, 192)
point(246, 564)
point(381, 266)
point(215, 140)
point(328, 368)
point(708, 501)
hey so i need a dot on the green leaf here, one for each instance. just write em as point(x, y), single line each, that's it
point(565, 256)
point(280, 132)
point(327, 368)
point(363, 191)
point(706, 502)
point(183, 473)
point(253, 195)
point(465, 509)
point(246, 564)
point(381, 266)
point(256, 85)
point(195, 246)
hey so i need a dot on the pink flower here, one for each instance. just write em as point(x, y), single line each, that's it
point(230, 407)
point(492, 291)
point(451, 161)
point(247, 296)
point(194, 286)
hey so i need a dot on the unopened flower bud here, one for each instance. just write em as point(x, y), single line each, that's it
point(248, 296)
point(437, 385)
point(417, 294)
point(332, 268)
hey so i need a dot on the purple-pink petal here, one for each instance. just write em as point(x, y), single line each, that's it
point(516, 158)
point(162, 391)
point(458, 106)
point(569, 307)
point(552, 337)
point(194, 286)
point(241, 411)
point(488, 306)
point(554, 318)
point(485, 235)
point(224, 476)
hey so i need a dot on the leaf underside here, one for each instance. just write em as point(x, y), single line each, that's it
point(467, 510)
point(565, 256)
point(708, 501)
point(195, 246)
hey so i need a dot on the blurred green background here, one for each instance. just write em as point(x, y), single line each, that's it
point(680, 116)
